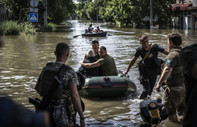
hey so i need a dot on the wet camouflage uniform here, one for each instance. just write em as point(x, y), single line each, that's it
point(149, 74)
point(174, 89)
point(188, 58)
point(68, 77)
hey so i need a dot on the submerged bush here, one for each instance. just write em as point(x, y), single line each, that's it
point(9, 28)
point(27, 28)
point(49, 28)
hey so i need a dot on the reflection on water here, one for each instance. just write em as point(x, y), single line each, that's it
point(23, 57)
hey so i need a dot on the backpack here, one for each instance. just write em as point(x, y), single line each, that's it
point(49, 82)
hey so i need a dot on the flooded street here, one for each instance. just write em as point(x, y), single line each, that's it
point(23, 57)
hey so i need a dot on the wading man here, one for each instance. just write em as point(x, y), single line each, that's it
point(172, 80)
point(57, 84)
point(148, 66)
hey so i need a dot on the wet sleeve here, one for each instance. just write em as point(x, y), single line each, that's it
point(38, 84)
point(101, 61)
point(158, 48)
point(137, 52)
point(188, 58)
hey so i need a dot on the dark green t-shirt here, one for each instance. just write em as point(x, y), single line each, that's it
point(108, 66)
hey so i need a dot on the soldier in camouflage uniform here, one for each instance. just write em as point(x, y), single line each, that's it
point(173, 80)
point(65, 93)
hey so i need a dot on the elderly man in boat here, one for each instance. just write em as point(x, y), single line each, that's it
point(106, 62)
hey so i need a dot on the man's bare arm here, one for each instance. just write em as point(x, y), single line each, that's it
point(166, 52)
point(91, 65)
point(164, 76)
point(131, 64)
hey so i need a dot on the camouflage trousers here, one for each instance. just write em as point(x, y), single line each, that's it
point(174, 99)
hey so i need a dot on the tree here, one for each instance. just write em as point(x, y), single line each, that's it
point(60, 10)
point(128, 12)
point(18, 8)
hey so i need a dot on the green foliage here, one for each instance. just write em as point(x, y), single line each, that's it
point(81, 8)
point(60, 10)
point(9, 28)
point(18, 8)
point(49, 28)
point(14, 28)
point(27, 28)
point(127, 12)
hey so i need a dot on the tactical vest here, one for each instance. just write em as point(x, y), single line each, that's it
point(54, 91)
point(48, 81)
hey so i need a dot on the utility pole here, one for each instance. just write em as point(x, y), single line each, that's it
point(151, 14)
point(45, 13)
point(96, 12)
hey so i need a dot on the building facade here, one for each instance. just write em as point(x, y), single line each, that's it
point(185, 14)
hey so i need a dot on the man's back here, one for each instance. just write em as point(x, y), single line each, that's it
point(108, 66)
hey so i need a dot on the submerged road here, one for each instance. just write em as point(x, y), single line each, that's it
point(23, 57)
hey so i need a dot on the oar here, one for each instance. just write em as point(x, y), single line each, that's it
point(76, 36)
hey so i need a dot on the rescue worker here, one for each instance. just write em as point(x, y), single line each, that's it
point(66, 92)
point(188, 60)
point(149, 65)
point(95, 47)
point(172, 80)
point(106, 62)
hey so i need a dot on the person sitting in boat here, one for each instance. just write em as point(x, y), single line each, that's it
point(98, 30)
point(95, 47)
point(90, 58)
point(90, 28)
point(106, 62)
point(86, 31)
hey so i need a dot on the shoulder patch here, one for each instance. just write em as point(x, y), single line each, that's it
point(168, 61)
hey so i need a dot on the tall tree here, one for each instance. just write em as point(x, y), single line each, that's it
point(18, 8)
point(130, 12)
point(60, 10)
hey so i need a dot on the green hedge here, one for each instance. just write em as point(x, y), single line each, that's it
point(49, 28)
point(9, 28)
point(14, 28)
